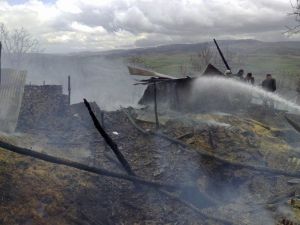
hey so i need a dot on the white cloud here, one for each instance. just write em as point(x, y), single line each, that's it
point(87, 29)
point(68, 25)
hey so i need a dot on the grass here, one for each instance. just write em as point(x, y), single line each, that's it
point(36, 192)
point(276, 64)
point(168, 64)
point(258, 64)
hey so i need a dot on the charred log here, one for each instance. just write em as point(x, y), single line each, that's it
point(80, 166)
point(109, 140)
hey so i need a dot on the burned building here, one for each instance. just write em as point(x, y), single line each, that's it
point(178, 93)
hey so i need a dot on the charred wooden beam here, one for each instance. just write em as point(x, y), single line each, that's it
point(69, 90)
point(148, 73)
point(103, 126)
point(211, 140)
point(155, 105)
point(0, 61)
point(221, 54)
point(109, 140)
point(80, 166)
point(295, 125)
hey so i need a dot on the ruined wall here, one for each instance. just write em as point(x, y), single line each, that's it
point(40, 105)
point(11, 92)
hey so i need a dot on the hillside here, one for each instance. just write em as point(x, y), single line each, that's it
point(278, 58)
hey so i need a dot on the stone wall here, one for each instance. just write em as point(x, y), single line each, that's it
point(41, 106)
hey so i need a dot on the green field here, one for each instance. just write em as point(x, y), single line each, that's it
point(278, 65)
point(280, 61)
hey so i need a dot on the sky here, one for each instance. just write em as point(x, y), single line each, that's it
point(97, 25)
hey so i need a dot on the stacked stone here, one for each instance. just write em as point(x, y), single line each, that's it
point(41, 105)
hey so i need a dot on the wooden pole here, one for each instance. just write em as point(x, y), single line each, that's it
point(0, 61)
point(155, 105)
point(69, 89)
point(109, 140)
point(103, 125)
point(222, 56)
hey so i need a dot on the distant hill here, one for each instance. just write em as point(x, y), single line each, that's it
point(246, 45)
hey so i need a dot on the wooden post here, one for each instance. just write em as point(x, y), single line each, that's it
point(222, 56)
point(69, 89)
point(155, 105)
point(0, 61)
point(103, 125)
point(114, 147)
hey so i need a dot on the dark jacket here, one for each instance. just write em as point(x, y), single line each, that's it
point(269, 84)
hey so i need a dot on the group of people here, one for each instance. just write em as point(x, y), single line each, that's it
point(248, 78)
point(268, 84)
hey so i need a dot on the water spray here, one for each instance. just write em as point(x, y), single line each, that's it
point(223, 86)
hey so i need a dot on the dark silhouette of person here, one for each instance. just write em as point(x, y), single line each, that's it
point(240, 74)
point(249, 78)
point(269, 84)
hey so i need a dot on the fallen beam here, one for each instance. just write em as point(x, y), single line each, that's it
point(148, 73)
point(295, 125)
point(65, 162)
point(108, 140)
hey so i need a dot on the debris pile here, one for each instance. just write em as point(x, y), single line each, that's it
point(197, 167)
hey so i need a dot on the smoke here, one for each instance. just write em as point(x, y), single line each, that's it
point(97, 78)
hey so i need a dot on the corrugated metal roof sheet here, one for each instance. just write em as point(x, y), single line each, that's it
point(11, 94)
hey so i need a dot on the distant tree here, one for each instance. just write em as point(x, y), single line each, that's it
point(16, 44)
point(296, 13)
point(235, 59)
point(183, 70)
point(209, 54)
point(136, 61)
point(204, 56)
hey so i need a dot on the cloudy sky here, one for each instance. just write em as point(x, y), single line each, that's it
point(95, 25)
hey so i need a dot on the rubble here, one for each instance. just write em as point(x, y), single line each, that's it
point(237, 168)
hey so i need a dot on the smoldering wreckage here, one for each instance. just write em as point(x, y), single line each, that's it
point(190, 155)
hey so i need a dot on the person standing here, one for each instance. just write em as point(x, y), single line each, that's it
point(249, 78)
point(269, 84)
point(240, 74)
